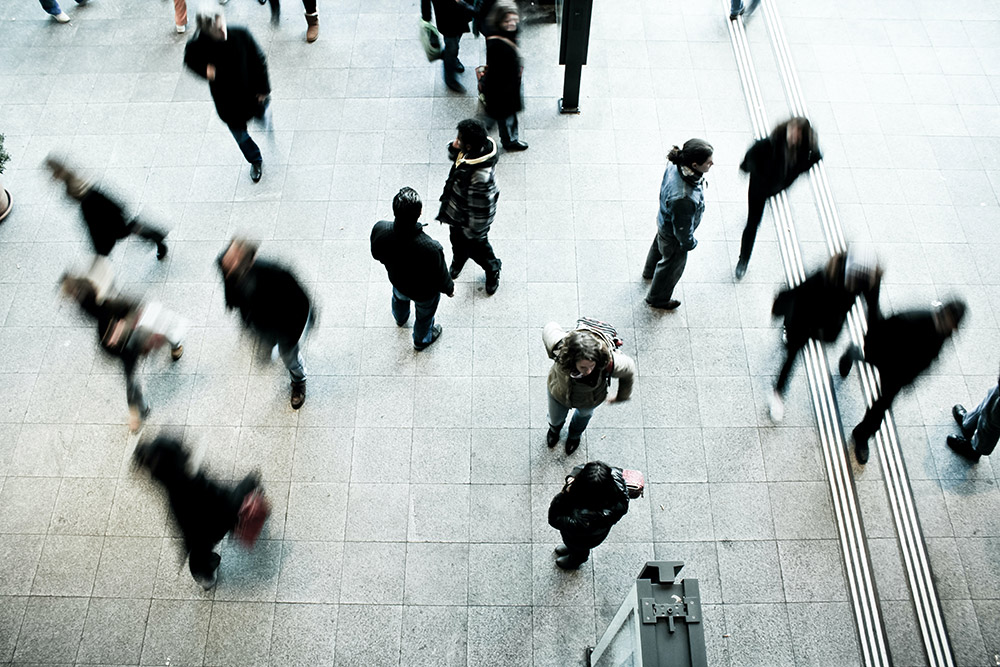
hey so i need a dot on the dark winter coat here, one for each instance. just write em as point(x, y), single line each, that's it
point(270, 300)
point(903, 346)
point(502, 84)
point(415, 262)
point(682, 203)
point(470, 195)
point(584, 527)
point(106, 314)
point(769, 166)
point(452, 17)
point(818, 307)
point(105, 219)
point(240, 72)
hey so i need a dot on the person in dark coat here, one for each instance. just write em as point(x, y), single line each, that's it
point(502, 83)
point(590, 503)
point(818, 307)
point(105, 218)
point(453, 18)
point(469, 201)
point(128, 331)
point(980, 428)
point(416, 265)
point(236, 70)
point(204, 510)
point(901, 347)
point(774, 163)
point(272, 304)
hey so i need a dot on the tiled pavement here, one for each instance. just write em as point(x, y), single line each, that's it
point(411, 490)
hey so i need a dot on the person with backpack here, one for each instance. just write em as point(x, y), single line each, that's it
point(501, 85)
point(469, 201)
point(594, 498)
point(585, 361)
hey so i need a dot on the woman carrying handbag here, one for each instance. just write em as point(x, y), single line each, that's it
point(500, 83)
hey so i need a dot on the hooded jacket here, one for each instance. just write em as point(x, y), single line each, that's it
point(270, 300)
point(240, 72)
point(592, 390)
point(470, 195)
point(682, 203)
point(415, 262)
point(587, 527)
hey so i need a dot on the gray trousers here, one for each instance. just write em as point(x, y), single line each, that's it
point(665, 264)
point(984, 419)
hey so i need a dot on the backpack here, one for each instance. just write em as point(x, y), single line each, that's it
point(602, 329)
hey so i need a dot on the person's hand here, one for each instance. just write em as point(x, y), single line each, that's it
point(210, 72)
point(611, 399)
point(451, 293)
point(261, 98)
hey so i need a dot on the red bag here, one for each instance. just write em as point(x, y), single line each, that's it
point(635, 482)
point(252, 515)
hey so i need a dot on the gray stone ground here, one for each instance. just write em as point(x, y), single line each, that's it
point(411, 490)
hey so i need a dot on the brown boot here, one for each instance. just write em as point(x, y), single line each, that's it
point(312, 32)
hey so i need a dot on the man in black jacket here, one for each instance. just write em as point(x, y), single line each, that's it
point(416, 266)
point(272, 304)
point(469, 201)
point(236, 70)
point(453, 18)
point(901, 347)
point(980, 428)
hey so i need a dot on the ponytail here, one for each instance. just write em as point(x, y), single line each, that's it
point(695, 151)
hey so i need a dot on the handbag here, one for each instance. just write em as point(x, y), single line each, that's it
point(635, 482)
point(431, 40)
point(481, 83)
point(253, 513)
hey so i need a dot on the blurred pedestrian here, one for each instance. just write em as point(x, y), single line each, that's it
point(453, 18)
point(585, 361)
point(502, 81)
point(204, 510)
point(590, 503)
point(312, 16)
point(469, 201)
point(416, 266)
point(901, 347)
point(774, 163)
point(980, 428)
point(236, 70)
point(273, 306)
point(128, 330)
point(54, 10)
point(736, 9)
point(105, 218)
point(818, 306)
point(682, 203)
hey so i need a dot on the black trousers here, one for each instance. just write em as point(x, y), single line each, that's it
point(756, 201)
point(203, 561)
point(147, 232)
point(478, 250)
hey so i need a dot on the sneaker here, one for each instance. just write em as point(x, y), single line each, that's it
point(963, 448)
point(776, 408)
point(298, 394)
point(552, 438)
point(256, 171)
point(177, 352)
point(435, 334)
point(741, 269)
point(493, 283)
point(181, 29)
point(61, 17)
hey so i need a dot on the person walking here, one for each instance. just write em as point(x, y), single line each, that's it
point(585, 361)
point(453, 18)
point(818, 307)
point(502, 81)
point(901, 347)
point(774, 163)
point(272, 304)
point(593, 500)
point(469, 201)
point(128, 331)
point(682, 203)
point(416, 266)
point(55, 11)
point(204, 510)
point(980, 428)
point(737, 9)
point(236, 70)
point(312, 16)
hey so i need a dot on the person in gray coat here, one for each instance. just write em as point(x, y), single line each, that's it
point(980, 428)
point(682, 203)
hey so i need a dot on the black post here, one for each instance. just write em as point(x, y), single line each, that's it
point(573, 43)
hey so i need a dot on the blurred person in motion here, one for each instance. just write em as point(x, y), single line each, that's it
point(416, 266)
point(501, 84)
point(980, 428)
point(737, 9)
point(55, 11)
point(204, 510)
point(774, 163)
point(818, 307)
point(590, 503)
point(236, 70)
point(312, 16)
point(585, 360)
point(272, 304)
point(682, 203)
point(106, 220)
point(901, 347)
point(128, 330)
point(469, 201)
point(453, 18)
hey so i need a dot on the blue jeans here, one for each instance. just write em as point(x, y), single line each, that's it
point(735, 6)
point(247, 145)
point(423, 325)
point(987, 431)
point(577, 425)
point(52, 6)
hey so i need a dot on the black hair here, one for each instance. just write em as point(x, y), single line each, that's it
point(406, 205)
point(472, 134)
point(695, 151)
point(595, 487)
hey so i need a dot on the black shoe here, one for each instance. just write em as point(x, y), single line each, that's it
point(161, 250)
point(459, 67)
point(515, 146)
point(435, 334)
point(492, 283)
point(847, 360)
point(256, 171)
point(572, 443)
point(733, 17)
point(959, 413)
point(860, 446)
point(454, 85)
point(963, 448)
point(649, 277)
point(741, 269)
point(669, 305)
point(454, 271)
point(298, 394)
point(562, 550)
point(552, 438)
point(565, 563)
